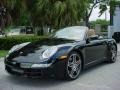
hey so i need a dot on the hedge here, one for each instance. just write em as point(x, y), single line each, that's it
point(8, 42)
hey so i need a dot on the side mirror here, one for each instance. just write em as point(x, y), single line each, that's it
point(88, 40)
point(100, 37)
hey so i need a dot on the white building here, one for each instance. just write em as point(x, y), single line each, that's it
point(116, 19)
point(116, 22)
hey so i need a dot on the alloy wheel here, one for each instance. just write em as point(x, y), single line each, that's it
point(74, 66)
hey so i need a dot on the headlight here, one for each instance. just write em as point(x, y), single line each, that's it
point(17, 47)
point(49, 52)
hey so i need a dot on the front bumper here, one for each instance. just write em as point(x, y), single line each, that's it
point(37, 70)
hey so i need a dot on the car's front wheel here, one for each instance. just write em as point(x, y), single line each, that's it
point(73, 66)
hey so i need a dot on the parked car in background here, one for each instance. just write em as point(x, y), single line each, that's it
point(116, 36)
point(14, 31)
point(20, 30)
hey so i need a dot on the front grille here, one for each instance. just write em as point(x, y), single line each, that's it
point(26, 72)
point(33, 72)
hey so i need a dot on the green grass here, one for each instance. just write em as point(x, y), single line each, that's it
point(3, 53)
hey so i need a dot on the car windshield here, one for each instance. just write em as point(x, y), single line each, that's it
point(73, 33)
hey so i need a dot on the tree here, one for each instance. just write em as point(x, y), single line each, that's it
point(58, 13)
point(18, 11)
point(15, 12)
point(102, 4)
point(4, 15)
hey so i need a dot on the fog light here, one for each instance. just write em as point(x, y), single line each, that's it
point(40, 65)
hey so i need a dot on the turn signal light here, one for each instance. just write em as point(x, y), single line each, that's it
point(63, 57)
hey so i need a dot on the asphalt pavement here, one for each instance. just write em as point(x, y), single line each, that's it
point(104, 76)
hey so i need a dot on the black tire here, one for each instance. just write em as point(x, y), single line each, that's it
point(113, 53)
point(75, 65)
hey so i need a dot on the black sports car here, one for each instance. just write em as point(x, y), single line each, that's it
point(63, 55)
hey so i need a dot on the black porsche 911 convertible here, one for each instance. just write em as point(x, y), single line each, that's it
point(63, 55)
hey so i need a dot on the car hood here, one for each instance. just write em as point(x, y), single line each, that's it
point(30, 53)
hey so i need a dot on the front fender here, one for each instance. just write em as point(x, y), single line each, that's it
point(66, 50)
point(63, 51)
point(111, 42)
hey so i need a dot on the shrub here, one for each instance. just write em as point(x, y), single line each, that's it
point(8, 42)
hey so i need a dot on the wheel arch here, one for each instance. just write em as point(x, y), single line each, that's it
point(81, 55)
point(112, 43)
point(115, 45)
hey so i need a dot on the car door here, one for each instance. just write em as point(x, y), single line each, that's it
point(95, 51)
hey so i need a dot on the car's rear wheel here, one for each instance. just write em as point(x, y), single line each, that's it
point(113, 54)
point(73, 66)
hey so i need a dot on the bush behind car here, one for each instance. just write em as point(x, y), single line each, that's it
point(8, 42)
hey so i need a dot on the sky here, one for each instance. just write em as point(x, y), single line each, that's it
point(95, 14)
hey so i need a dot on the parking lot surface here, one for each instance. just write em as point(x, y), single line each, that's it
point(104, 76)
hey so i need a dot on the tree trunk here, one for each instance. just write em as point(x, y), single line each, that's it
point(41, 30)
point(87, 22)
point(2, 23)
point(87, 19)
